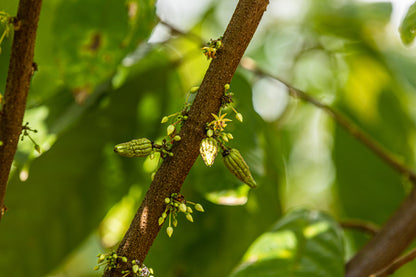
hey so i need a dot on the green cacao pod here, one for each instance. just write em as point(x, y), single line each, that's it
point(135, 148)
point(237, 166)
point(208, 150)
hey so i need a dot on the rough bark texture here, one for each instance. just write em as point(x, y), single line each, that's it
point(173, 171)
point(17, 87)
point(395, 236)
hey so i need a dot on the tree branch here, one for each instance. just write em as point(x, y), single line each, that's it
point(400, 230)
point(17, 87)
point(173, 171)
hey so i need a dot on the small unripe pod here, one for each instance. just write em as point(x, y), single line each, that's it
point(135, 148)
point(208, 150)
point(237, 166)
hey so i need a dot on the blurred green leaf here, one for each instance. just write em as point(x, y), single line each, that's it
point(408, 26)
point(302, 243)
point(71, 186)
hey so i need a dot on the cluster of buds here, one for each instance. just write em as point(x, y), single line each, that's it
point(138, 269)
point(174, 205)
point(210, 51)
point(216, 138)
point(25, 133)
point(112, 260)
point(109, 260)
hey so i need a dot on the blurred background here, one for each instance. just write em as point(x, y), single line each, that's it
point(108, 71)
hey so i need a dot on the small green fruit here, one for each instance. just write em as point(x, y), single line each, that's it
point(167, 200)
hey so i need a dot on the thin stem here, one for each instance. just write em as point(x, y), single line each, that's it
point(389, 270)
point(363, 226)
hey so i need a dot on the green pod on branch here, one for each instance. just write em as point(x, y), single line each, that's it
point(208, 150)
point(135, 148)
point(237, 166)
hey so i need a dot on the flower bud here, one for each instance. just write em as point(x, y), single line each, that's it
point(210, 132)
point(182, 207)
point(169, 231)
point(164, 119)
point(194, 89)
point(199, 208)
point(177, 138)
point(227, 86)
point(167, 200)
point(239, 117)
point(170, 129)
point(189, 217)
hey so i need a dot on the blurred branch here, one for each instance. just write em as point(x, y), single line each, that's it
point(173, 171)
point(17, 87)
point(360, 225)
point(389, 270)
point(343, 121)
point(400, 230)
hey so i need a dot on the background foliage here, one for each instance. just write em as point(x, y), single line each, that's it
point(100, 83)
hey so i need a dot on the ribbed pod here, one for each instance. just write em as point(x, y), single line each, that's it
point(208, 150)
point(237, 166)
point(135, 148)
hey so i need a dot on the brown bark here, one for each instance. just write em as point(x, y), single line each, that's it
point(395, 236)
point(17, 87)
point(173, 171)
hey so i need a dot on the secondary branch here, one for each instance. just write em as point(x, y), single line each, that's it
point(17, 87)
point(173, 171)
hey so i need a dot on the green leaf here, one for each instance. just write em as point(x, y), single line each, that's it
point(408, 27)
point(303, 243)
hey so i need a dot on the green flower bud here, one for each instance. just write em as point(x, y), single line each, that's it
point(189, 210)
point(189, 217)
point(239, 117)
point(230, 136)
point(101, 258)
point(37, 148)
point(182, 207)
point(164, 215)
point(177, 138)
point(164, 119)
point(151, 270)
point(135, 268)
point(227, 86)
point(174, 222)
point(161, 220)
point(199, 208)
point(169, 231)
point(224, 137)
point(210, 132)
point(115, 256)
point(194, 89)
point(96, 267)
point(124, 259)
point(167, 200)
point(170, 129)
